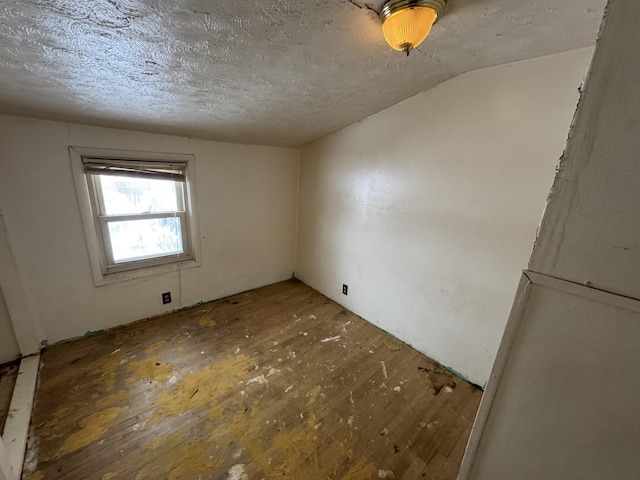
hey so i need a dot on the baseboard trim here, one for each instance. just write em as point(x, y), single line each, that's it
point(16, 429)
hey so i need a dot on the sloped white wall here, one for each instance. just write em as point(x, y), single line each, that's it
point(566, 402)
point(246, 197)
point(428, 210)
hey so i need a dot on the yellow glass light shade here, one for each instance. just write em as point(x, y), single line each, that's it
point(405, 29)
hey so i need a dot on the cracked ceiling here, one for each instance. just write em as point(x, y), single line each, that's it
point(278, 72)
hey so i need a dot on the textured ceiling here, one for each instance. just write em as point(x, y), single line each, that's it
point(277, 72)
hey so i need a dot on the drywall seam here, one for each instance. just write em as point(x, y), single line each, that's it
point(517, 311)
point(585, 290)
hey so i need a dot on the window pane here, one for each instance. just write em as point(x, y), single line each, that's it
point(127, 195)
point(137, 239)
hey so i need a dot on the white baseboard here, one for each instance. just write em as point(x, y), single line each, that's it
point(16, 429)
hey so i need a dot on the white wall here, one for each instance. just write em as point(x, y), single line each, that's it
point(247, 215)
point(8, 345)
point(428, 210)
point(566, 402)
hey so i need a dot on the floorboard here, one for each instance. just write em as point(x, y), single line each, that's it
point(275, 383)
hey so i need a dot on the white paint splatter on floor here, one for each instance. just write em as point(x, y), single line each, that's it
point(259, 379)
point(386, 474)
point(330, 339)
point(237, 472)
point(384, 370)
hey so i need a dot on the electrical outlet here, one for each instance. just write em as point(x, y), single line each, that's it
point(166, 297)
point(345, 289)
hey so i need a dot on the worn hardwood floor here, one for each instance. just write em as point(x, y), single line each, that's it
point(276, 383)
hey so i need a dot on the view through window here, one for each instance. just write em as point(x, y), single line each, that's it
point(145, 235)
point(140, 211)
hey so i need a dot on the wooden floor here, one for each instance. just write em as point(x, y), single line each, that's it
point(276, 383)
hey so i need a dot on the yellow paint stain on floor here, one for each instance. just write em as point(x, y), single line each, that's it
point(154, 346)
point(200, 388)
point(300, 452)
point(215, 412)
point(107, 367)
point(207, 321)
point(180, 455)
point(248, 429)
point(92, 428)
point(195, 461)
point(392, 346)
point(149, 369)
point(203, 447)
point(294, 452)
point(200, 448)
point(360, 471)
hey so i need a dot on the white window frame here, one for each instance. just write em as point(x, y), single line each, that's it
point(104, 269)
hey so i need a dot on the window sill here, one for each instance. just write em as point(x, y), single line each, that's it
point(101, 280)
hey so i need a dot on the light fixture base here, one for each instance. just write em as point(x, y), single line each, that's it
point(393, 6)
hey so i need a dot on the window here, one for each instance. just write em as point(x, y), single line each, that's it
point(140, 211)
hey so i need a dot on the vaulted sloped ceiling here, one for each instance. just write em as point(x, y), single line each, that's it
point(276, 72)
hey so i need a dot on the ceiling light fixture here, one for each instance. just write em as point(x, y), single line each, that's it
point(406, 23)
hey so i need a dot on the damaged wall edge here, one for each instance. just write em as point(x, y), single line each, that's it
point(528, 280)
point(517, 311)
